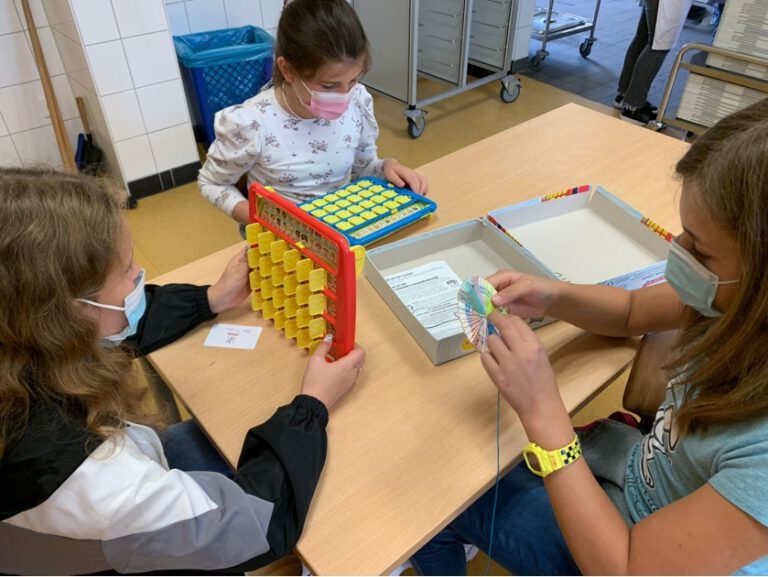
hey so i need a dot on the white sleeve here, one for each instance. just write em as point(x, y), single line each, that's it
point(367, 162)
point(232, 154)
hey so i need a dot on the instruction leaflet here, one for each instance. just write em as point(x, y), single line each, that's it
point(429, 291)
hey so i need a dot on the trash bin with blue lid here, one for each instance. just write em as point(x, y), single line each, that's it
point(224, 67)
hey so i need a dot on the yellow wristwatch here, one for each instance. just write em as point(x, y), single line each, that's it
point(542, 462)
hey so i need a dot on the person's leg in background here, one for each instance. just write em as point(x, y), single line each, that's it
point(187, 448)
point(526, 537)
point(635, 48)
point(646, 68)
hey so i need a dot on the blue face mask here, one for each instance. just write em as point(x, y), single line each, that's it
point(694, 283)
point(135, 306)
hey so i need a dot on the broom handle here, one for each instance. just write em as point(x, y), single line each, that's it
point(50, 96)
point(83, 114)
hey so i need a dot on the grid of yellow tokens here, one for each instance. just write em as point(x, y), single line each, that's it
point(368, 209)
point(288, 288)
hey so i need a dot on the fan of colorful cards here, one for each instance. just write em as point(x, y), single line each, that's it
point(474, 306)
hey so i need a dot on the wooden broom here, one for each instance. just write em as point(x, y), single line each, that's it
point(50, 96)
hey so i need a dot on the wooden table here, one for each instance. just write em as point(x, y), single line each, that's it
point(413, 444)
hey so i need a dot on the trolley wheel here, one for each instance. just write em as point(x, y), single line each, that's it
point(509, 95)
point(537, 61)
point(585, 48)
point(416, 126)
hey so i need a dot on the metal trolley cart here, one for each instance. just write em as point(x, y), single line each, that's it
point(440, 39)
point(728, 81)
point(551, 25)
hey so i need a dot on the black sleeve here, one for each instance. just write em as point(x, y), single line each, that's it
point(281, 462)
point(172, 311)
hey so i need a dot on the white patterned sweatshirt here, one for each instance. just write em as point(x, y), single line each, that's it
point(300, 158)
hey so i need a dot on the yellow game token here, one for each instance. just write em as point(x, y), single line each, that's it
point(320, 202)
point(331, 219)
point(402, 199)
point(355, 198)
point(331, 198)
point(377, 188)
point(355, 220)
point(342, 214)
point(378, 199)
point(366, 194)
point(354, 209)
point(391, 204)
point(368, 215)
point(389, 194)
point(319, 213)
point(344, 226)
point(378, 209)
point(353, 188)
point(343, 203)
point(367, 204)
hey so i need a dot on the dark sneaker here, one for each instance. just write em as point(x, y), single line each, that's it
point(639, 116)
point(618, 104)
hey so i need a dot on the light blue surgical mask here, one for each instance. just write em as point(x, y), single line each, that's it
point(694, 283)
point(135, 306)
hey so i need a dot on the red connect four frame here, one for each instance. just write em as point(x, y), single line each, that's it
point(302, 273)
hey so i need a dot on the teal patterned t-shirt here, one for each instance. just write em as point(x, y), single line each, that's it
point(733, 459)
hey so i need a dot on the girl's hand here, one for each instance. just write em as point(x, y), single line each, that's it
point(519, 366)
point(232, 287)
point(400, 175)
point(526, 296)
point(329, 381)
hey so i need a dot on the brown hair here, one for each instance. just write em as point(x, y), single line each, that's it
point(59, 240)
point(724, 360)
point(312, 33)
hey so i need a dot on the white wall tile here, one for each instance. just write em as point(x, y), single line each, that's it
point(95, 20)
point(177, 18)
point(109, 67)
point(163, 105)
point(123, 115)
point(8, 154)
point(50, 51)
point(38, 13)
point(18, 63)
point(135, 156)
point(136, 17)
point(243, 13)
point(9, 18)
point(65, 97)
point(206, 15)
point(24, 107)
point(174, 147)
point(37, 146)
point(270, 13)
point(151, 58)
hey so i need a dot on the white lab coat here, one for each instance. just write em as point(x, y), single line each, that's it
point(669, 23)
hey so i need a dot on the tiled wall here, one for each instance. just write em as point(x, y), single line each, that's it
point(189, 16)
point(26, 132)
point(118, 55)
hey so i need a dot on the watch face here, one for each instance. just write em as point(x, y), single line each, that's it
point(533, 461)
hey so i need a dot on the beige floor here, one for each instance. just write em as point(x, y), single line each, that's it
point(178, 226)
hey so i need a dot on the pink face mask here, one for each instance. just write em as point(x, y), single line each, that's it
point(327, 105)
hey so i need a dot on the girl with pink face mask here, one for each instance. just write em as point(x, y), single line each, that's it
point(312, 129)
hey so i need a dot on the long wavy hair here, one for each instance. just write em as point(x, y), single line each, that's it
point(59, 239)
point(724, 360)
